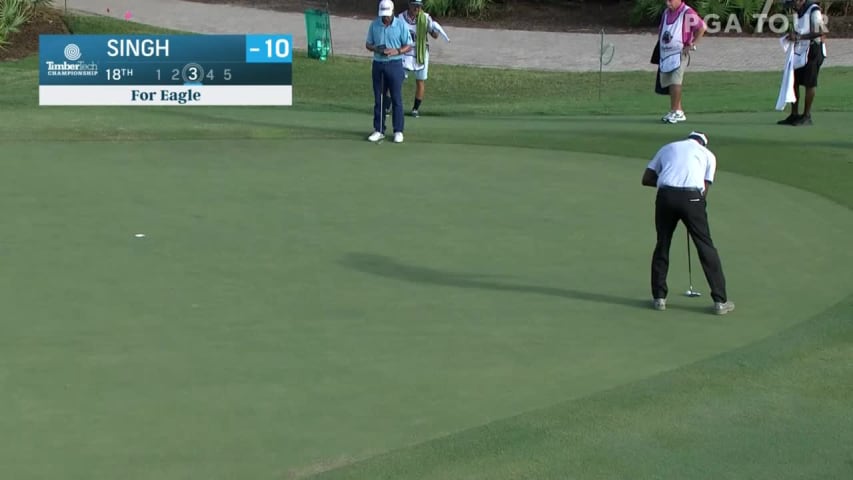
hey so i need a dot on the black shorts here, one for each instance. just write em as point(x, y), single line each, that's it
point(806, 75)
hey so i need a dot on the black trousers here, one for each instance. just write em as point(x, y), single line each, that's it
point(689, 207)
point(806, 76)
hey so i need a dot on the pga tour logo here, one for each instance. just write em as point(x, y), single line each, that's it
point(778, 23)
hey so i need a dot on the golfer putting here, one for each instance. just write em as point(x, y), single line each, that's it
point(683, 171)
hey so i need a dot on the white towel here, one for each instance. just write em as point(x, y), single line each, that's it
point(440, 30)
point(786, 92)
point(410, 64)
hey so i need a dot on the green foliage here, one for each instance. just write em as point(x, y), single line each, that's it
point(713, 11)
point(841, 8)
point(445, 8)
point(647, 12)
point(439, 7)
point(746, 10)
point(14, 14)
point(720, 8)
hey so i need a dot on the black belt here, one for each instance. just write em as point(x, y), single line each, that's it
point(680, 189)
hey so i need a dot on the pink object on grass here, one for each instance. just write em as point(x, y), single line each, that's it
point(127, 15)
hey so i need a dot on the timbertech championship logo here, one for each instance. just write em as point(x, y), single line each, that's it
point(66, 68)
point(778, 23)
point(72, 52)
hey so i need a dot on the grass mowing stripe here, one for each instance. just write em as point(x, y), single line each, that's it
point(776, 409)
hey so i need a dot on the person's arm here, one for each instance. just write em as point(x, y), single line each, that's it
point(698, 34)
point(650, 178)
point(369, 43)
point(817, 30)
point(698, 29)
point(710, 172)
point(398, 51)
point(405, 40)
point(431, 29)
point(818, 27)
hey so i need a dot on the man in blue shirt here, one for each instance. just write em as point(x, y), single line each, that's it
point(389, 39)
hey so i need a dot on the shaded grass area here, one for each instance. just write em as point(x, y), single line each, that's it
point(775, 410)
point(342, 85)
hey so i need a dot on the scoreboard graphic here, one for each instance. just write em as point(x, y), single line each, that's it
point(171, 70)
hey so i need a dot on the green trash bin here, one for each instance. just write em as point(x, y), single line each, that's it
point(319, 33)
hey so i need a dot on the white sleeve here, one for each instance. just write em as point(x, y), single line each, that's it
point(816, 20)
point(711, 167)
point(431, 24)
point(654, 164)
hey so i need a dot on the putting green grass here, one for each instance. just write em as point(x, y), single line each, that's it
point(471, 304)
point(280, 301)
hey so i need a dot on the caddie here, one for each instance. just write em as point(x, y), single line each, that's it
point(416, 60)
point(809, 53)
point(681, 29)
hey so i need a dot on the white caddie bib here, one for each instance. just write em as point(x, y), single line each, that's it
point(803, 26)
point(410, 62)
point(670, 51)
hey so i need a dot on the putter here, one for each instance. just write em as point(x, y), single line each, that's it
point(690, 292)
point(381, 107)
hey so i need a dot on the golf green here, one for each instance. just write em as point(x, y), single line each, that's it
point(302, 301)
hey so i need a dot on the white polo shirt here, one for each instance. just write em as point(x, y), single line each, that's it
point(684, 164)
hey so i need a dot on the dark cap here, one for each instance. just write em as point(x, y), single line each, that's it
point(699, 137)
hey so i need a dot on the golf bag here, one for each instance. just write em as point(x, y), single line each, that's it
point(655, 60)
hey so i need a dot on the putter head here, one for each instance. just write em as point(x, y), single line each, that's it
point(692, 293)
